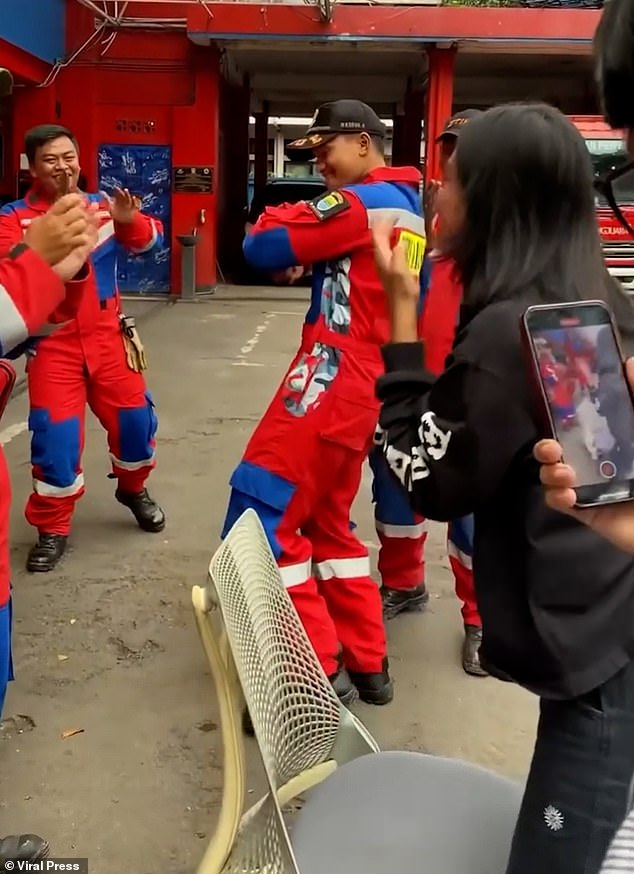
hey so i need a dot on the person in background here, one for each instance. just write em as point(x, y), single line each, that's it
point(46, 273)
point(401, 532)
point(556, 600)
point(90, 360)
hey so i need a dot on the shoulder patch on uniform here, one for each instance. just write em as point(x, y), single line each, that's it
point(328, 205)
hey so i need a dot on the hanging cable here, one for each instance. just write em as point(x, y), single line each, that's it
point(60, 65)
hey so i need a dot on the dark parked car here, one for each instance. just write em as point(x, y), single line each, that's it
point(275, 192)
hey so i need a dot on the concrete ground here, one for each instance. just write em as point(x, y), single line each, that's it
point(107, 644)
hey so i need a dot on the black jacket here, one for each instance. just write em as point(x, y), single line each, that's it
point(556, 600)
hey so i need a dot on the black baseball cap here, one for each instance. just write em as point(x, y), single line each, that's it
point(339, 117)
point(456, 122)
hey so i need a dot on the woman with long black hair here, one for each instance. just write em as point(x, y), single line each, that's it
point(557, 601)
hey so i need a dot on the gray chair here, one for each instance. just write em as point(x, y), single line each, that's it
point(365, 811)
point(407, 812)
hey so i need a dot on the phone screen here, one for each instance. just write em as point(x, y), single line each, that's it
point(578, 362)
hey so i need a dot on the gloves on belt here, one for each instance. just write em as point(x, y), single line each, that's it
point(134, 350)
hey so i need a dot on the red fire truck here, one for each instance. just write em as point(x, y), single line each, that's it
point(608, 152)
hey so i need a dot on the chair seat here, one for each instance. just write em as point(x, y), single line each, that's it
point(407, 813)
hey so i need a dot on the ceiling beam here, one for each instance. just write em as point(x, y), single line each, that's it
point(433, 24)
point(310, 83)
point(306, 109)
point(362, 47)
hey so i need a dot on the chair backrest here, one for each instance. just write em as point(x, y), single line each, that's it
point(262, 845)
point(295, 713)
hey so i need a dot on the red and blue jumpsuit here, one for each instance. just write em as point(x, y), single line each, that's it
point(85, 362)
point(302, 467)
point(402, 534)
point(30, 292)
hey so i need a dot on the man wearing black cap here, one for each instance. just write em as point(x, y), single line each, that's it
point(447, 143)
point(302, 467)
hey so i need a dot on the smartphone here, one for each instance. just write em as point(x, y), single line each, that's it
point(7, 382)
point(584, 399)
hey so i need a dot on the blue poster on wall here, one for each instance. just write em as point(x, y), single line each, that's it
point(147, 172)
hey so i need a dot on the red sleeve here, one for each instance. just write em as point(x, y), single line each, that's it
point(29, 291)
point(75, 291)
point(304, 233)
point(139, 235)
point(10, 231)
point(440, 314)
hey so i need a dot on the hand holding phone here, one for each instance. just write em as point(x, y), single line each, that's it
point(583, 397)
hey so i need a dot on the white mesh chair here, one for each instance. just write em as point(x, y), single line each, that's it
point(365, 811)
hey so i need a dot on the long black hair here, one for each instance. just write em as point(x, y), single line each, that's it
point(614, 62)
point(531, 230)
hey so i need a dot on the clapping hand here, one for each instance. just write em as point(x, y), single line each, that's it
point(67, 225)
point(123, 206)
point(70, 266)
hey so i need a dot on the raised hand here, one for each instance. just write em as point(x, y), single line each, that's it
point(399, 282)
point(70, 266)
point(123, 206)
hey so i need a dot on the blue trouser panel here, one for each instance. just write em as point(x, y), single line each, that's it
point(267, 493)
point(461, 534)
point(55, 448)
point(6, 663)
point(391, 505)
point(137, 430)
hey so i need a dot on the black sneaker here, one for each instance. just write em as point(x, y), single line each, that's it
point(471, 651)
point(374, 688)
point(397, 601)
point(46, 553)
point(344, 688)
point(148, 514)
point(22, 848)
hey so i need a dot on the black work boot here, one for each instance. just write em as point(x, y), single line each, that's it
point(397, 601)
point(145, 510)
point(374, 688)
point(345, 691)
point(46, 553)
point(471, 651)
point(22, 848)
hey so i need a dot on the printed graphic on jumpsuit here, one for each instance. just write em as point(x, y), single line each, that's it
point(315, 370)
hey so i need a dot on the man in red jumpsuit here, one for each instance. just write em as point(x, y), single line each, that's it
point(302, 466)
point(32, 291)
point(401, 533)
point(83, 362)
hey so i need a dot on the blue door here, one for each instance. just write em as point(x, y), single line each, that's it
point(147, 172)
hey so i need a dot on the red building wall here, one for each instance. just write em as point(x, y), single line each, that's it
point(148, 88)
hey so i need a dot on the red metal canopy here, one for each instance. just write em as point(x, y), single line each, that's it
point(427, 23)
point(24, 66)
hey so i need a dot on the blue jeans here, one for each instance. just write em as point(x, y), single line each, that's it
point(578, 789)
point(6, 667)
